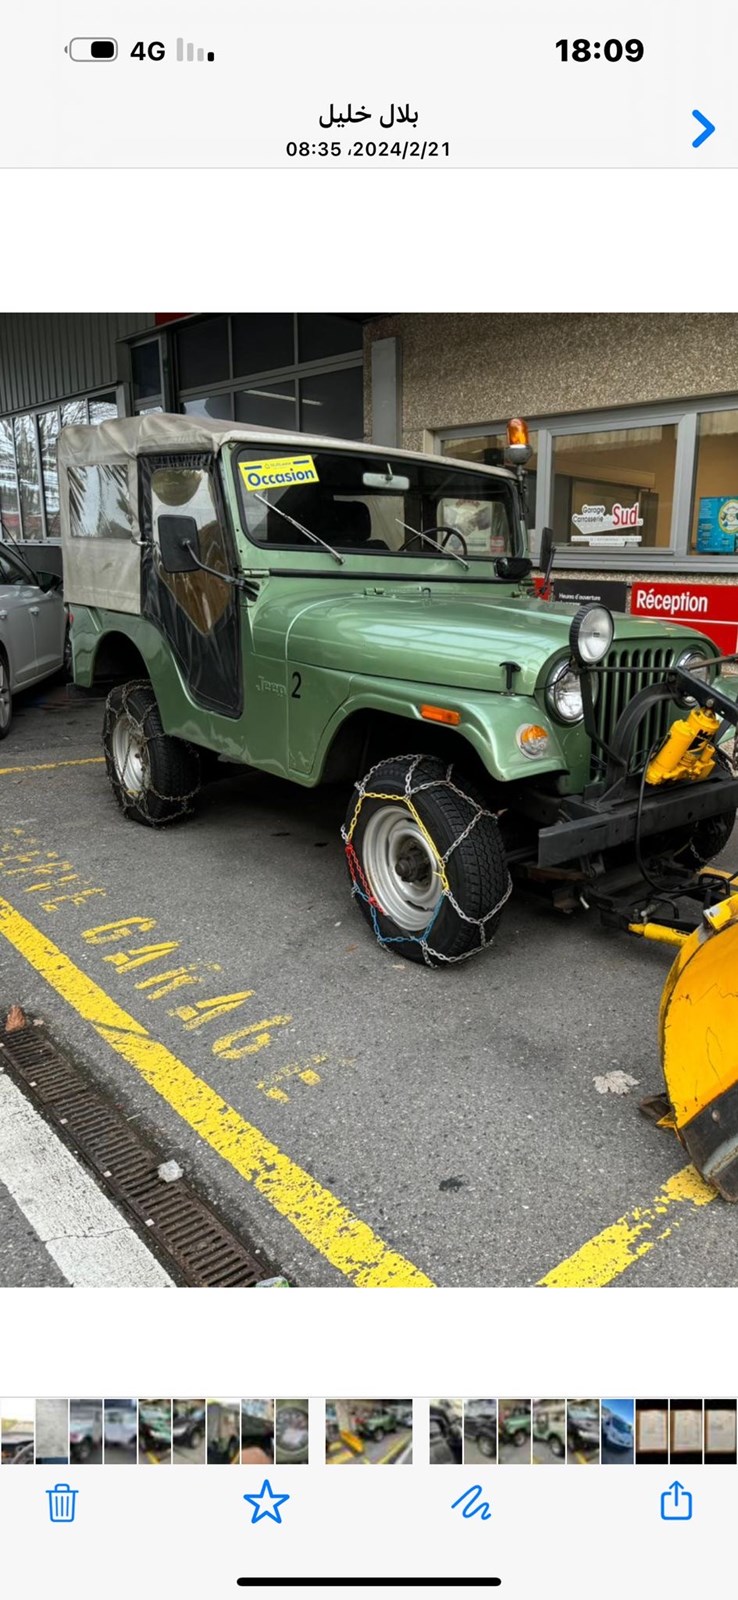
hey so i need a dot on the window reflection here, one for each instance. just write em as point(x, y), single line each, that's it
point(333, 404)
point(714, 528)
point(9, 511)
point(48, 428)
point(268, 405)
point(615, 486)
point(29, 480)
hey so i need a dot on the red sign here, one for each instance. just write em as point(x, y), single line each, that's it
point(711, 607)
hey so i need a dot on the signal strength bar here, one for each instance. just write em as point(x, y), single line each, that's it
point(189, 53)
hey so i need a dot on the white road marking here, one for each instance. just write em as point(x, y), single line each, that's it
point(90, 1241)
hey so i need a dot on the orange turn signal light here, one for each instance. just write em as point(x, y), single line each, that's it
point(440, 714)
point(517, 431)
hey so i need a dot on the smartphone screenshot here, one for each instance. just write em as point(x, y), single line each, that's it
point(368, 788)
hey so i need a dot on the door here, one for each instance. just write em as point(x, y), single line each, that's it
point(198, 612)
point(49, 623)
point(17, 596)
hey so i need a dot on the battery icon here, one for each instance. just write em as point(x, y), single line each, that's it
point(92, 49)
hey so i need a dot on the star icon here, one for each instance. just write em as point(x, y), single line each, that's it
point(266, 1503)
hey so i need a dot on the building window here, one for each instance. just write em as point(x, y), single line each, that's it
point(146, 371)
point(262, 344)
point(322, 336)
point(333, 403)
point(9, 510)
point(29, 483)
point(487, 450)
point(615, 485)
point(714, 529)
point(203, 353)
point(269, 405)
point(29, 477)
point(291, 372)
point(48, 431)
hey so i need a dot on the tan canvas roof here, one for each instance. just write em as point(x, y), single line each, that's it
point(124, 438)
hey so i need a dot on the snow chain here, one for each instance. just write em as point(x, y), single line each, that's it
point(361, 888)
point(132, 799)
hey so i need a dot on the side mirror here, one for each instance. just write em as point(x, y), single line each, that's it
point(48, 581)
point(177, 543)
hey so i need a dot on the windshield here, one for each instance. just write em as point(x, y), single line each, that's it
point(377, 507)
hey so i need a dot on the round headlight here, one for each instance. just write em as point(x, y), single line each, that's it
point(591, 635)
point(695, 661)
point(564, 693)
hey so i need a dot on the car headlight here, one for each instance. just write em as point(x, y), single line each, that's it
point(564, 693)
point(591, 635)
point(694, 660)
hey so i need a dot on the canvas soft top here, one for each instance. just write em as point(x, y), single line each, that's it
point(125, 438)
point(97, 470)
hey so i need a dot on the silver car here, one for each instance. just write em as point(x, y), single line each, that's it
point(33, 629)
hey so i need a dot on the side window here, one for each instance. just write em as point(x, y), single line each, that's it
point(99, 504)
point(189, 492)
point(11, 574)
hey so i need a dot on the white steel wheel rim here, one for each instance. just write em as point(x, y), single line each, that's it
point(401, 867)
point(4, 696)
point(130, 756)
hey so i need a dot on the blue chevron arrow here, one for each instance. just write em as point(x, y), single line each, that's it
point(708, 127)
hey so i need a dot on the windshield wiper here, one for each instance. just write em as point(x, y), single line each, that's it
point(419, 534)
point(300, 526)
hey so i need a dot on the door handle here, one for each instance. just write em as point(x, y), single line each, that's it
point(3, 616)
point(34, 611)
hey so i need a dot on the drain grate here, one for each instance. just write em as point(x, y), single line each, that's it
point(183, 1232)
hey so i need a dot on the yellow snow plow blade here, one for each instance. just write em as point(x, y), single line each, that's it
point(698, 1029)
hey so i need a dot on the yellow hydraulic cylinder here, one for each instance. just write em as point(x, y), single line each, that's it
point(698, 1028)
point(686, 751)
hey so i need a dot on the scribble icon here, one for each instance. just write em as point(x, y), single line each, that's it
point(62, 1503)
point(189, 52)
point(475, 1505)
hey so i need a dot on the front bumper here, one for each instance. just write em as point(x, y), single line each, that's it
point(586, 828)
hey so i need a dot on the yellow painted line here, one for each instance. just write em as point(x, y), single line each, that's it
point(611, 1252)
point(51, 766)
point(349, 1244)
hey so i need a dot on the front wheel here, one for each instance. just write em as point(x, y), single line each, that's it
point(154, 777)
point(427, 861)
point(6, 698)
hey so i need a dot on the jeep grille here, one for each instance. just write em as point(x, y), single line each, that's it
point(635, 669)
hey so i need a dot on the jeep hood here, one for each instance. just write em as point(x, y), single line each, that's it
point(453, 640)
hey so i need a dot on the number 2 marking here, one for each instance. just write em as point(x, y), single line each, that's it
point(296, 685)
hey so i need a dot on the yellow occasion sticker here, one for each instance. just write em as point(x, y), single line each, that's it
point(278, 473)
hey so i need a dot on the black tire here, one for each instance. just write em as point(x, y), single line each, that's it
point(84, 1450)
point(195, 1439)
point(167, 776)
point(6, 698)
point(556, 1447)
point(378, 1435)
point(477, 870)
point(485, 1445)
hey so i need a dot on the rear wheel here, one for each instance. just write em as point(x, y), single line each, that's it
point(154, 777)
point(6, 699)
point(426, 859)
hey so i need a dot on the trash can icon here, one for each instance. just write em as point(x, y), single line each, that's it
point(62, 1502)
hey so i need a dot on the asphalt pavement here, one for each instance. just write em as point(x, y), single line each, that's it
point(452, 1115)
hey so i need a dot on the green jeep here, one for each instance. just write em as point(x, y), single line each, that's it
point(337, 613)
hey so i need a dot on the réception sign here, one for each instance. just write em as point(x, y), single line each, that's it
point(711, 607)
